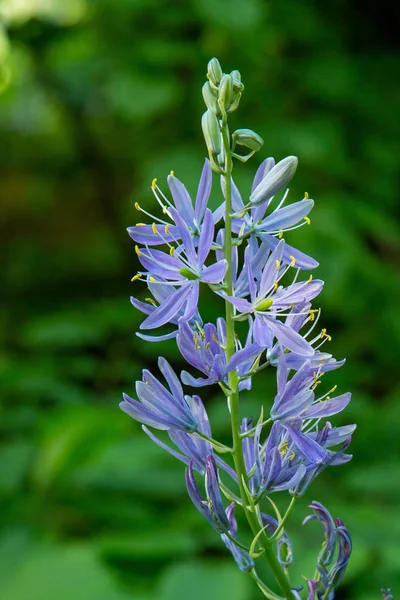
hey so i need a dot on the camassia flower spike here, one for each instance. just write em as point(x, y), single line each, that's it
point(238, 253)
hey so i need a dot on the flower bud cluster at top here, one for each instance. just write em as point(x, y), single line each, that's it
point(239, 251)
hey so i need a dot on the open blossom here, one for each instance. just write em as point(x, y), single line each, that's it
point(268, 300)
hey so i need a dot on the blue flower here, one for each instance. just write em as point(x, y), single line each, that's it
point(204, 349)
point(184, 268)
point(160, 407)
point(163, 231)
point(268, 300)
point(212, 508)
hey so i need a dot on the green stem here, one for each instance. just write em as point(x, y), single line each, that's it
point(284, 519)
point(233, 380)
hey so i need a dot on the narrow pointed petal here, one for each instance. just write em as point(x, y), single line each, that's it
point(287, 216)
point(242, 305)
point(289, 338)
point(144, 415)
point(214, 496)
point(186, 237)
point(144, 234)
point(166, 311)
point(327, 408)
point(303, 261)
point(310, 449)
point(181, 198)
point(214, 273)
point(206, 238)
point(157, 338)
point(262, 332)
point(203, 192)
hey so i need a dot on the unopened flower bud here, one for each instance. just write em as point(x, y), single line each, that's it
point(211, 132)
point(248, 138)
point(237, 81)
point(276, 180)
point(235, 102)
point(211, 98)
point(214, 71)
point(225, 93)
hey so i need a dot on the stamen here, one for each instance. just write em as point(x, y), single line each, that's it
point(140, 224)
point(154, 228)
point(152, 279)
point(307, 220)
point(172, 173)
point(277, 265)
point(292, 455)
point(154, 183)
point(312, 313)
point(208, 347)
point(275, 287)
point(137, 250)
point(136, 277)
point(167, 229)
point(306, 195)
point(137, 206)
point(292, 261)
point(283, 449)
point(280, 235)
point(153, 302)
point(171, 251)
point(325, 335)
point(309, 280)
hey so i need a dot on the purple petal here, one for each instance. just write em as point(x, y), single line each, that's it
point(203, 192)
point(288, 338)
point(285, 217)
point(186, 237)
point(206, 238)
point(181, 198)
point(303, 261)
point(166, 311)
point(310, 449)
point(214, 273)
point(144, 234)
point(242, 305)
point(327, 408)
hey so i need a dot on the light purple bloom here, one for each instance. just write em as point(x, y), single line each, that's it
point(160, 407)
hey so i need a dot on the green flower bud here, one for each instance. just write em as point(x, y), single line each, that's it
point(225, 93)
point(235, 102)
point(248, 138)
point(211, 132)
point(211, 98)
point(214, 71)
point(237, 81)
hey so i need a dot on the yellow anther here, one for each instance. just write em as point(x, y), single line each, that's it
point(277, 265)
point(172, 173)
point(333, 389)
point(153, 302)
point(325, 335)
point(276, 283)
point(137, 250)
point(292, 261)
point(214, 338)
point(146, 382)
point(208, 347)
point(292, 455)
point(312, 313)
point(164, 209)
point(171, 251)
point(307, 220)
point(167, 229)
point(306, 195)
point(137, 206)
point(283, 449)
point(154, 183)
point(152, 279)
point(136, 277)
point(202, 335)
point(309, 280)
point(154, 228)
point(140, 224)
point(280, 235)
point(196, 341)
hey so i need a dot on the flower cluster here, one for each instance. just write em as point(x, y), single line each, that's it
point(240, 253)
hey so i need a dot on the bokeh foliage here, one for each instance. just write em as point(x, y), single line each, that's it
point(98, 98)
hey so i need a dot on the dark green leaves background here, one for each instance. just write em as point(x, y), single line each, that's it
point(98, 98)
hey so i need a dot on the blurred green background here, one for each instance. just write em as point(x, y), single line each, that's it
point(98, 97)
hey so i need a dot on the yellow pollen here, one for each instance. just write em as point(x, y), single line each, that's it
point(333, 389)
point(172, 173)
point(202, 335)
point(154, 228)
point(277, 265)
point(276, 283)
point(283, 449)
point(152, 279)
point(171, 251)
point(167, 229)
point(153, 302)
point(146, 382)
point(135, 277)
point(213, 337)
point(137, 206)
point(327, 398)
point(154, 183)
point(140, 224)
point(292, 455)
point(309, 280)
point(312, 313)
point(292, 261)
point(208, 347)
point(307, 220)
point(280, 235)
point(164, 209)
point(137, 250)
point(325, 335)
point(306, 195)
